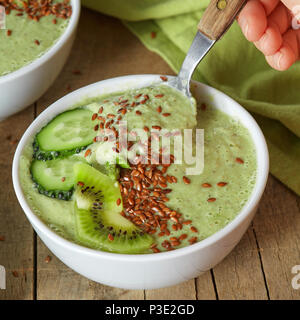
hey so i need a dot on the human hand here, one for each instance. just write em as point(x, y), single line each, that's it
point(268, 24)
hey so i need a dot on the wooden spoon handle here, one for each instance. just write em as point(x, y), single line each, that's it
point(218, 17)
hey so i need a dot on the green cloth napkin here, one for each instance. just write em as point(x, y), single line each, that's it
point(233, 66)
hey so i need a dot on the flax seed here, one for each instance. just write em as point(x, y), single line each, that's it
point(175, 243)
point(15, 274)
point(239, 160)
point(47, 259)
point(87, 153)
point(156, 127)
point(183, 236)
point(174, 219)
point(186, 180)
point(206, 185)
point(163, 227)
point(193, 229)
point(193, 240)
point(174, 179)
point(101, 118)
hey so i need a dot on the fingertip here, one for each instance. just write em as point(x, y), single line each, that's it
point(253, 20)
point(283, 59)
point(270, 42)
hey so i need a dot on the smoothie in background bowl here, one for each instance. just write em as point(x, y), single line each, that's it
point(34, 45)
point(95, 214)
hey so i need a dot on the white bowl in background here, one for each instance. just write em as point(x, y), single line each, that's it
point(148, 271)
point(24, 86)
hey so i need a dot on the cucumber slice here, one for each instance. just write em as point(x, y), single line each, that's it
point(54, 178)
point(68, 133)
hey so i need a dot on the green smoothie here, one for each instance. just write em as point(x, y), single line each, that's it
point(176, 209)
point(30, 32)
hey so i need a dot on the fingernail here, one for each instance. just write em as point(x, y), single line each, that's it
point(245, 27)
point(262, 41)
point(279, 60)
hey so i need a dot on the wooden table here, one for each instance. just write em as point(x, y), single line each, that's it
point(258, 268)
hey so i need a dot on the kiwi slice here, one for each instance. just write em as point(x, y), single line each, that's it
point(99, 224)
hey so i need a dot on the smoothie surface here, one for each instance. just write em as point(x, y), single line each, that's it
point(26, 39)
point(209, 200)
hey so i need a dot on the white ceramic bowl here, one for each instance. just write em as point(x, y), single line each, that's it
point(151, 270)
point(22, 87)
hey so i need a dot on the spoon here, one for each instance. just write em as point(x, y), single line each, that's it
point(215, 21)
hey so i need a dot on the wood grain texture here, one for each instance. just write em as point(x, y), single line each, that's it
point(277, 227)
point(58, 282)
point(183, 291)
point(17, 250)
point(205, 288)
point(239, 275)
point(218, 17)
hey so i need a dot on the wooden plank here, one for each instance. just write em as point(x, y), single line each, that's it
point(277, 227)
point(239, 275)
point(104, 48)
point(17, 249)
point(196, 289)
point(204, 287)
point(183, 291)
point(56, 282)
